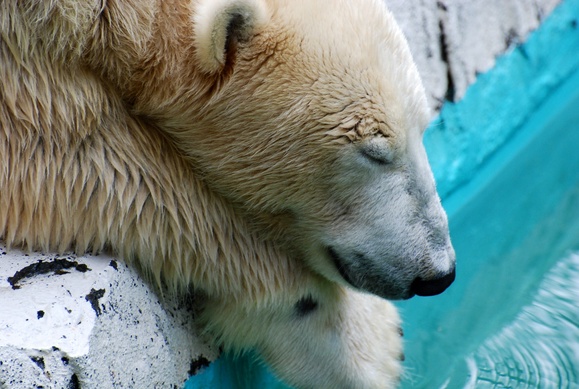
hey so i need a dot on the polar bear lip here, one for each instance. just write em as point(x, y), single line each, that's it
point(377, 287)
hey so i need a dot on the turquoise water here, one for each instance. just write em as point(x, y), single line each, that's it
point(506, 159)
point(512, 317)
point(507, 162)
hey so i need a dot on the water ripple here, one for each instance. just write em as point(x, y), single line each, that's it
point(540, 348)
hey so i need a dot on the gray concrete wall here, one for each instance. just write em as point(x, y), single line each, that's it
point(454, 40)
point(105, 328)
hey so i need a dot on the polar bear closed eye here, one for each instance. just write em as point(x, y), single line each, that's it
point(266, 152)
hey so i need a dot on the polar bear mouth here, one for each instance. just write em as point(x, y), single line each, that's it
point(372, 282)
point(339, 264)
point(380, 286)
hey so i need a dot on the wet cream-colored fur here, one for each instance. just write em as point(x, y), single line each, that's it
point(266, 152)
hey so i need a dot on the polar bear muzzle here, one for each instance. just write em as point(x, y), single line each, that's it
point(375, 282)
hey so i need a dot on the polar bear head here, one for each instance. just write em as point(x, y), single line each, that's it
point(308, 116)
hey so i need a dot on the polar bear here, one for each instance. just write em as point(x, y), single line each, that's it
point(265, 152)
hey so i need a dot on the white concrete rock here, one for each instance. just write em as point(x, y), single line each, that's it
point(90, 322)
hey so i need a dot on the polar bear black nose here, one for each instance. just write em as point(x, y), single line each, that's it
point(433, 286)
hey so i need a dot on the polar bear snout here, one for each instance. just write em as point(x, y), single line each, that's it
point(433, 286)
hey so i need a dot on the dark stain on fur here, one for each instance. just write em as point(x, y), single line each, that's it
point(57, 266)
point(305, 306)
point(400, 331)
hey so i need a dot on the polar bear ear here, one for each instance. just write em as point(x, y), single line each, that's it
point(220, 24)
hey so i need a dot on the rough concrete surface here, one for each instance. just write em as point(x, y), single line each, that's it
point(102, 327)
point(90, 322)
point(497, 107)
point(452, 41)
